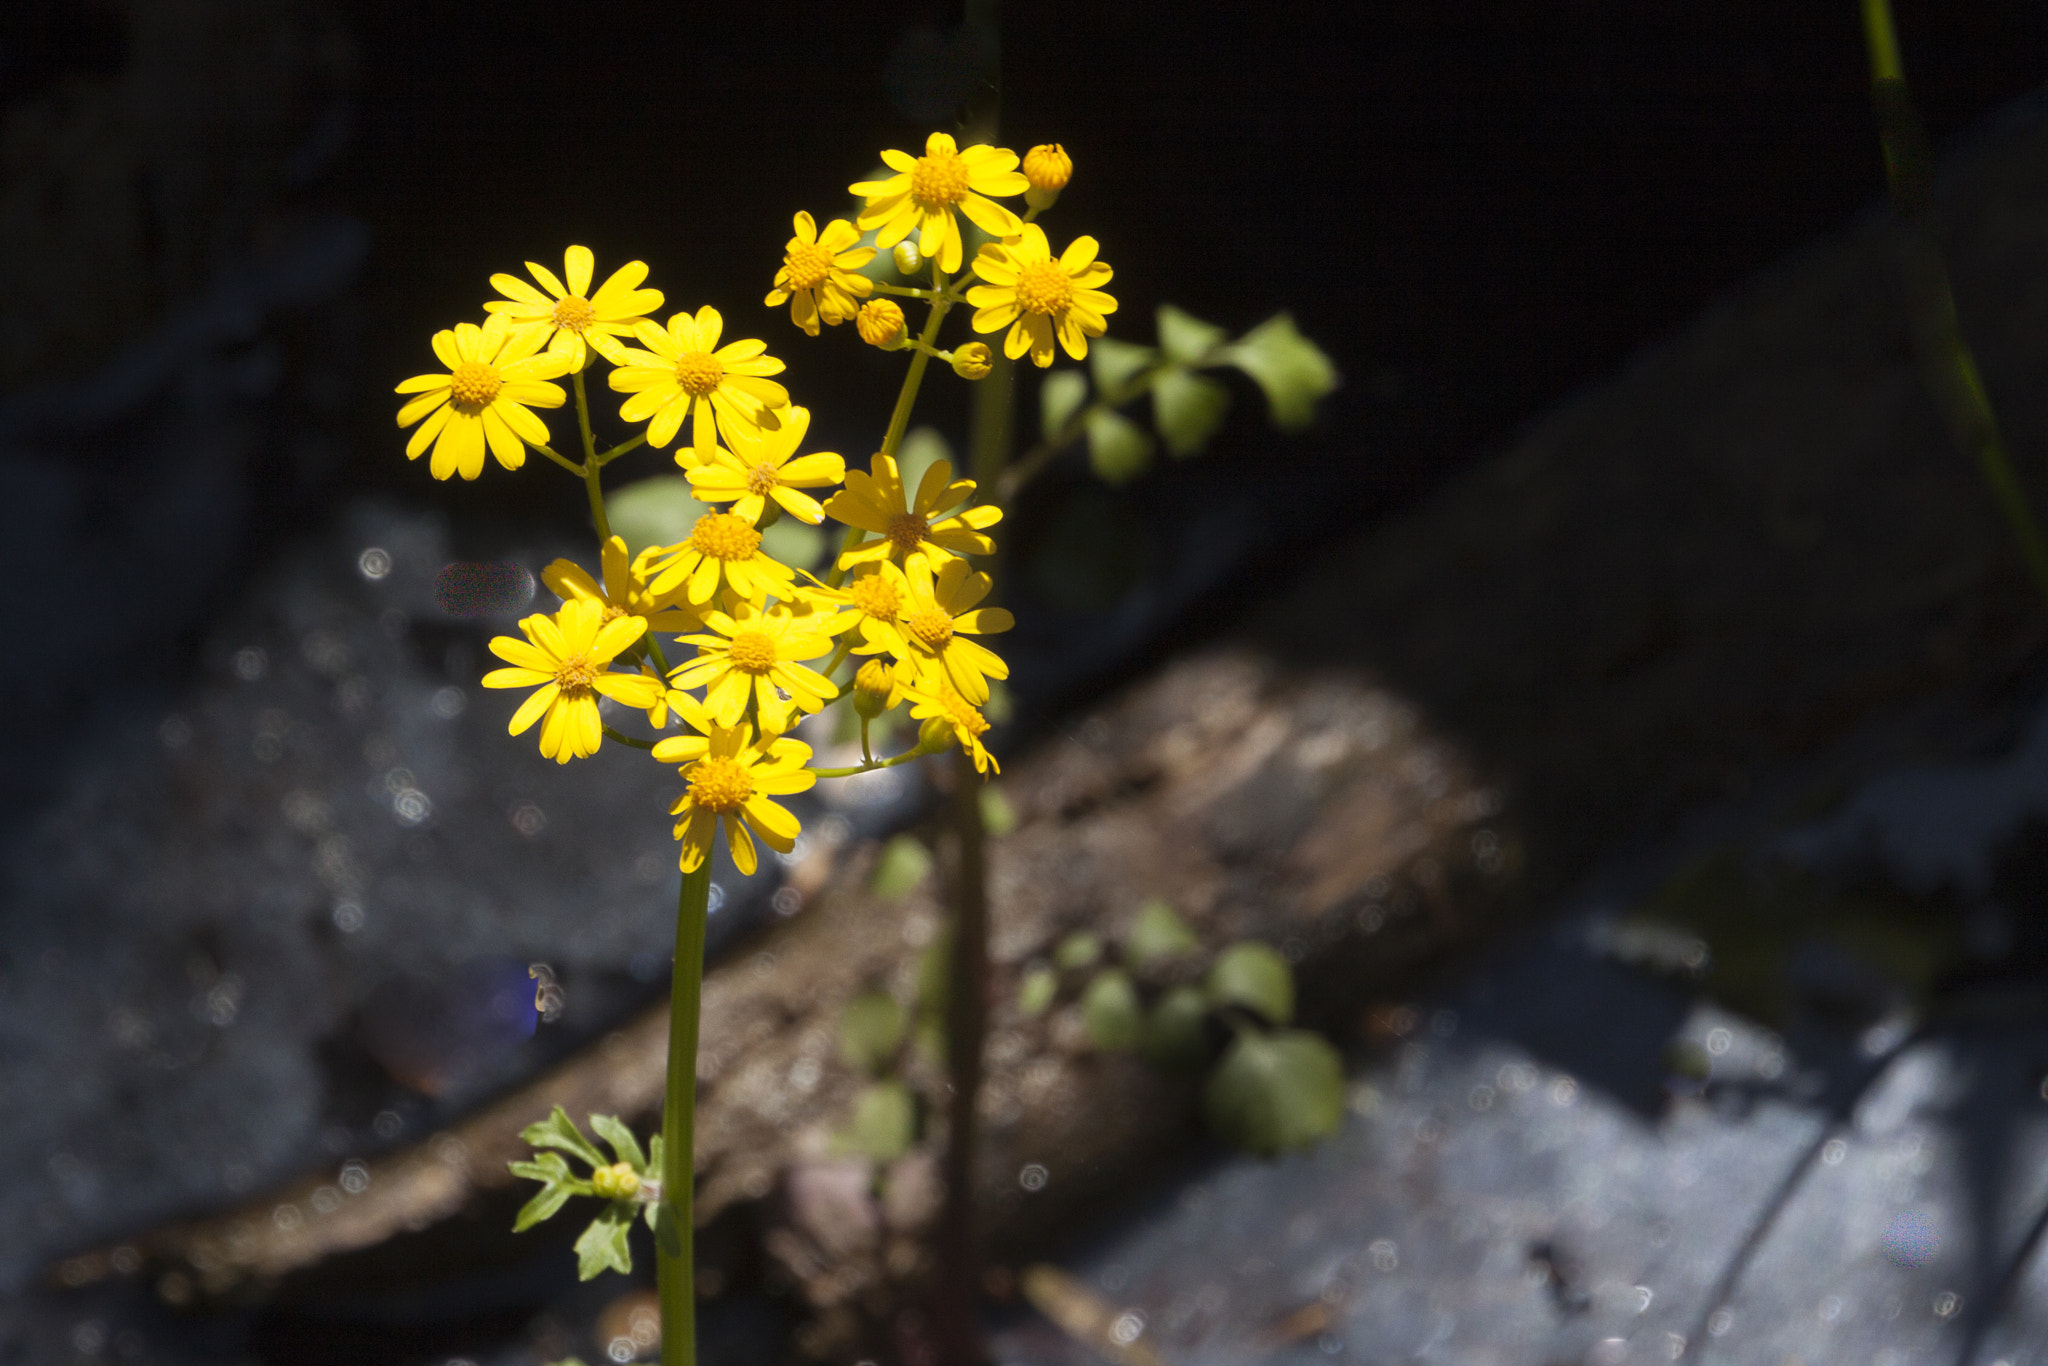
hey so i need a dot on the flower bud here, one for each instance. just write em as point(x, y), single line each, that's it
point(972, 361)
point(871, 689)
point(935, 736)
point(1048, 168)
point(909, 260)
point(880, 323)
point(616, 1182)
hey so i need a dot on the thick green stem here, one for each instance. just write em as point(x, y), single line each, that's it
point(899, 421)
point(959, 1248)
point(675, 1259)
point(591, 464)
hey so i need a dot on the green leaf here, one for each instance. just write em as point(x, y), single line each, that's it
point(612, 1131)
point(1186, 338)
point(1251, 975)
point(1118, 448)
point(1036, 991)
point(884, 1122)
point(560, 1131)
point(1077, 950)
point(998, 817)
point(1159, 933)
point(1062, 392)
point(795, 543)
point(1110, 1009)
point(557, 1185)
point(1187, 409)
point(657, 511)
point(1292, 370)
point(902, 865)
point(603, 1245)
point(1274, 1092)
point(871, 1031)
point(1176, 1033)
point(1115, 361)
point(654, 1156)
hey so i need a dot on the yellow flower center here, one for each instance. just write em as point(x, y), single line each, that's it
point(1042, 287)
point(574, 313)
point(474, 384)
point(939, 180)
point(575, 672)
point(612, 612)
point(720, 785)
point(907, 530)
point(876, 596)
point(723, 536)
point(962, 715)
point(762, 479)
point(808, 264)
point(753, 652)
point(698, 372)
point(933, 626)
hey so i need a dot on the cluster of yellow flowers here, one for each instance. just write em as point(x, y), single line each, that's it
point(901, 594)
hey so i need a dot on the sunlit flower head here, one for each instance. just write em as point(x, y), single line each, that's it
point(926, 191)
point(880, 323)
point(875, 501)
point(1039, 298)
point(820, 275)
point(936, 702)
point(684, 369)
point(1048, 168)
point(730, 778)
point(722, 549)
point(625, 589)
point(494, 380)
point(753, 655)
point(937, 617)
point(566, 658)
point(872, 601)
point(568, 317)
point(764, 465)
point(972, 361)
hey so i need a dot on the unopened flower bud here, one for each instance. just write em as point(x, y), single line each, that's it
point(871, 689)
point(935, 736)
point(616, 1182)
point(909, 260)
point(972, 361)
point(880, 323)
point(1048, 168)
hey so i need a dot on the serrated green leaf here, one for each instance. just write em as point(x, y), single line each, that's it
point(657, 511)
point(1186, 338)
point(557, 1185)
point(903, 863)
point(1077, 950)
point(1187, 409)
point(1118, 449)
point(884, 1122)
point(1063, 392)
point(1036, 991)
point(1114, 361)
point(546, 1202)
point(871, 1031)
point(612, 1131)
point(1177, 1031)
point(542, 1167)
point(1110, 1010)
point(1292, 370)
point(1158, 933)
point(998, 817)
point(559, 1131)
point(1274, 1092)
point(1252, 975)
point(603, 1246)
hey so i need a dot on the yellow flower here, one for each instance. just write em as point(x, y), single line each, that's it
point(732, 777)
point(927, 190)
point(1037, 297)
point(668, 700)
point(941, 704)
point(1048, 168)
point(880, 323)
point(820, 275)
point(873, 600)
point(879, 685)
point(494, 380)
point(972, 361)
point(875, 502)
point(567, 656)
point(680, 371)
point(722, 548)
point(752, 654)
point(625, 590)
point(569, 317)
point(940, 614)
point(760, 467)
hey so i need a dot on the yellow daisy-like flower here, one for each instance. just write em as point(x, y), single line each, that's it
point(684, 369)
point(875, 502)
point(872, 600)
point(753, 654)
point(569, 318)
point(1039, 298)
point(494, 380)
point(938, 616)
point(820, 276)
point(625, 590)
point(941, 703)
point(568, 656)
point(927, 190)
point(764, 465)
point(731, 777)
point(724, 549)
point(879, 685)
point(668, 700)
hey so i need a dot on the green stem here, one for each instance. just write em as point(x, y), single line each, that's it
point(564, 461)
point(611, 734)
point(907, 292)
point(583, 418)
point(859, 769)
point(675, 1259)
point(906, 399)
point(630, 444)
point(654, 648)
point(590, 482)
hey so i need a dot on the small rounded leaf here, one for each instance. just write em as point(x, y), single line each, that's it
point(1252, 975)
point(1292, 370)
point(1110, 1009)
point(1275, 1092)
point(1036, 991)
point(1186, 338)
point(1187, 409)
point(1115, 361)
point(1158, 933)
point(1077, 950)
point(902, 865)
point(1062, 393)
point(1118, 449)
point(1177, 1033)
point(884, 1122)
point(871, 1031)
